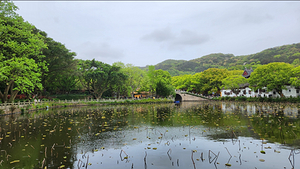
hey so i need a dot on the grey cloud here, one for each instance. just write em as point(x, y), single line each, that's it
point(159, 35)
point(187, 37)
point(102, 52)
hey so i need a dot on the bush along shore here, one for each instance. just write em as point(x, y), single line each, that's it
point(25, 107)
point(259, 99)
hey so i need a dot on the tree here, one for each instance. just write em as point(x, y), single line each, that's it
point(151, 79)
point(234, 82)
point(163, 89)
point(274, 76)
point(182, 82)
point(295, 77)
point(134, 76)
point(211, 80)
point(162, 80)
point(61, 66)
point(98, 77)
point(195, 83)
point(18, 46)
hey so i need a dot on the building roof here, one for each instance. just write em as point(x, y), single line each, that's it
point(247, 72)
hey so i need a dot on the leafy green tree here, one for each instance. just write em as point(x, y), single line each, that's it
point(66, 81)
point(274, 76)
point(234, 82)
point(19, 45)
point(163, 89)
point(98, 77)
point(182, 82)
point(163, 83)
point(211, 80)
point(145, 82)
point(134, 76)
point(119, 86)
point(62, 68)
point(295, 77)
point(151, 79)
point(195, 83)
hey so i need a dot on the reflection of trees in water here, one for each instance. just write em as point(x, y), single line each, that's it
point(72, 130)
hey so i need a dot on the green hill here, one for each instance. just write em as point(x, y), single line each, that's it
point(286, 53)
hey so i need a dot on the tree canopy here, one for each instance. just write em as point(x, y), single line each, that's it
point(274, 76)
point(19, 45)
point(234, 83)
point(98, 77)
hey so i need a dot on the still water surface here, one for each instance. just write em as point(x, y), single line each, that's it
point(159, 136)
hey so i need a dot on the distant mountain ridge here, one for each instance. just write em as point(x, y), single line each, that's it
point(286, 53)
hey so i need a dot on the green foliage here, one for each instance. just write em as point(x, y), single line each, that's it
point(295, 77)
point(163, 89)
point(182, 82)
point(211, 80)
point(98, 77)
point(134, 78)
point(274, 76)
point(20, 54)
point(234, 82)
point(62, 72)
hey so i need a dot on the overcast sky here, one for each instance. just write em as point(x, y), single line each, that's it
point(146, 33)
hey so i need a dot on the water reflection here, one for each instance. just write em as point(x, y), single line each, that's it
point(193, 134)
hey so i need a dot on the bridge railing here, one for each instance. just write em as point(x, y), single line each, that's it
point(193, 94)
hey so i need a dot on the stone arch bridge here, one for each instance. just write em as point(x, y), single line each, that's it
point(183, 96)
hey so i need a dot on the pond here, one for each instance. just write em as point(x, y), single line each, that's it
point(192, 135)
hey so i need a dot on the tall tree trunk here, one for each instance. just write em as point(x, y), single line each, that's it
point(5, 93)
point(13, 96)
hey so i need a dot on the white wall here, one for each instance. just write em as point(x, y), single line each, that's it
point(290, 91)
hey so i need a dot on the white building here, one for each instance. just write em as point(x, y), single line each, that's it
point(244, 90)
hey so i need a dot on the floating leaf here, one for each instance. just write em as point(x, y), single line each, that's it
point(62, 166)
point(15, 161)
point(261, 160)
point(228, 164)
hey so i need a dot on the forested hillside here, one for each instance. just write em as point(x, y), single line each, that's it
point(286, 53)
